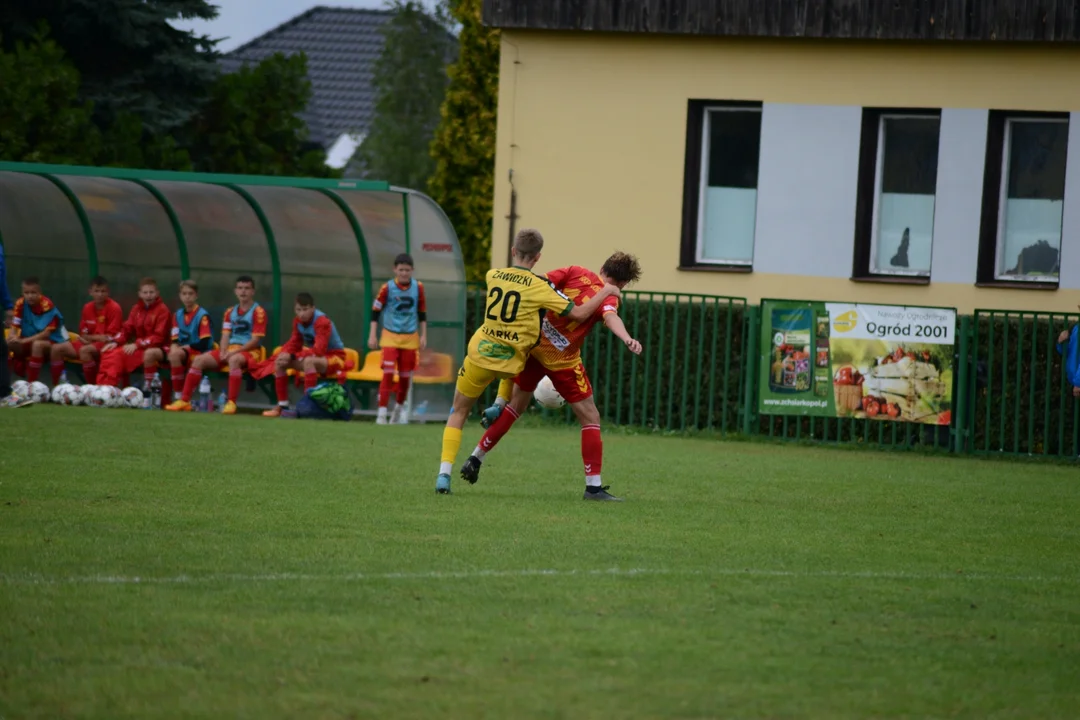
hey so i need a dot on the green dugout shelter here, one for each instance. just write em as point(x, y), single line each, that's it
point(333, 238)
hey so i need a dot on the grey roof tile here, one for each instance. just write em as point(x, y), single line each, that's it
point(341, 45)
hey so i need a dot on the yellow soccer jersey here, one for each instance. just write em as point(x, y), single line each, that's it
point(514, 308)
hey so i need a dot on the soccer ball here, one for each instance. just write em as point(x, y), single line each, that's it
point(98, 397)
point(85, 391)
point(39, 392)
point(20, 388)
point(66, 394)
point(116, 398)
point(547, 396)
point(132, 397)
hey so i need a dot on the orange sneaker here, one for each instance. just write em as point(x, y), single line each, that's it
point(274, 411)
point(229, 409)
point(179, 406)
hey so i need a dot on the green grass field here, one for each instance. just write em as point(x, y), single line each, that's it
point(159, 565)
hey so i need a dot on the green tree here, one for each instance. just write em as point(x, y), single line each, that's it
point(131, 61)
point(464, 145)
point(251, 123)
point(41, 117)
point(410, 83)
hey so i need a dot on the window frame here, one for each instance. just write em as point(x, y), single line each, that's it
point(868, 195)
point(994, 196)
point(695, 183)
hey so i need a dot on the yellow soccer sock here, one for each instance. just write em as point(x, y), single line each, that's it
point(451, 443)
point(506, 388)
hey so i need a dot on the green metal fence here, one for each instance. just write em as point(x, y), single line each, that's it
point(1021, 401)
point(699, 371)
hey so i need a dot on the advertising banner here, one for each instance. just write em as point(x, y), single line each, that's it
point(883, 362)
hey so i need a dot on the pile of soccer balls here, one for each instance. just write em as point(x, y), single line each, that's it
point(102, 396)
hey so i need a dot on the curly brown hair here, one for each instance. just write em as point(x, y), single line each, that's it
point(622, 268)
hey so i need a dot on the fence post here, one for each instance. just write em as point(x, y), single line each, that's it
point(960, 402)
point(750, 369)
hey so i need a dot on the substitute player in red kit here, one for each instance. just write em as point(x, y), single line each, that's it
point(558, 356)
point(314, 349)
point(141, 341)
point(242, 333)
point(403, 310)
point(102, 318)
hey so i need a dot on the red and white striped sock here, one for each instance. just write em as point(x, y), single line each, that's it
point(592, 454)
point(495, 433)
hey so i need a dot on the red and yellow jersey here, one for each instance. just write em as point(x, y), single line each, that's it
point(560, 337)
point(106, 320)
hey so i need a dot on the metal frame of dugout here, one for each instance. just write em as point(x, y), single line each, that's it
point(336, 239)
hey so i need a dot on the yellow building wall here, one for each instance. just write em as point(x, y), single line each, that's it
point(594, 128)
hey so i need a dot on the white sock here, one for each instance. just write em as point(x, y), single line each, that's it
point(479, 454)
point(592, 481)
point(500, 402)
point(283, 403)
point(445, 468)
point(382, 412)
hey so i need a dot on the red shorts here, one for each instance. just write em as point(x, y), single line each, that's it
point(134, 361)
point(250, 359)
point(79, 345)
point(335, 363)
point(572, 383)
point(404, 360)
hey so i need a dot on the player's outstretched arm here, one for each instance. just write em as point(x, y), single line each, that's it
point(615, 324)
point(584, 311)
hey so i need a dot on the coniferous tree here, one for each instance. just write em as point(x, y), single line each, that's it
point(464, 144)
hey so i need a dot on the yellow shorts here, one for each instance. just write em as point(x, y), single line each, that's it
point(472, 379)
point(410, 341)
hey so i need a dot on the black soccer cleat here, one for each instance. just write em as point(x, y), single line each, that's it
point(600, 493)
point(470, 471)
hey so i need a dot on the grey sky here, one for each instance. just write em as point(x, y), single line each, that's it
point(241, 20)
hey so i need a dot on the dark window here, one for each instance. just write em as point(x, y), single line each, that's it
point(894, 216)
point(723, 142)
point(1023, 198)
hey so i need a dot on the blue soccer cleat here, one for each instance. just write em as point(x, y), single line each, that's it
point(490, 416)
point(442, 485)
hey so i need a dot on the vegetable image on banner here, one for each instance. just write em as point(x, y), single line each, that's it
point(882, 362)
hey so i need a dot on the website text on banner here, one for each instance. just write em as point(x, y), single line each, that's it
point(883, 362)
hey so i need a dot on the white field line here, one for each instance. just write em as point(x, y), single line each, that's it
point(480, 574)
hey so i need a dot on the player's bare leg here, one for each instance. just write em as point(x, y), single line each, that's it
point(38, 350)
point(313, 367)
point(59, 354)
point(201, 364)
point(237, 364)
point(178, 369)
point(508, 413)
point(592, 449)
point(90, 356)
point(451, 441)
point(282, 363)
